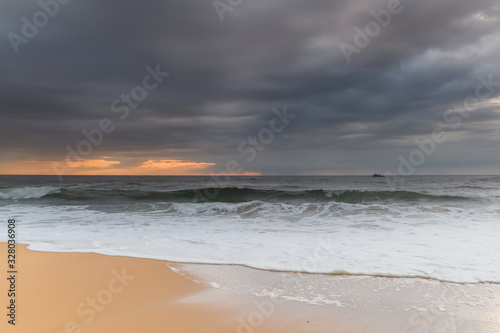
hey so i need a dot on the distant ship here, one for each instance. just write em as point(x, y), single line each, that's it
point(377, 175)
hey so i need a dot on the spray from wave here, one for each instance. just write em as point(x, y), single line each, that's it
point(27, 192)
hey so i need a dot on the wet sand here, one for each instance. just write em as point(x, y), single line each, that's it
point(85, 292)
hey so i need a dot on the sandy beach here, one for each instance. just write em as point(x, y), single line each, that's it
point(72, 292)
point(84, 292)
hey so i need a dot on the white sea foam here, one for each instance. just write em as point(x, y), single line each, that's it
point(457, 244)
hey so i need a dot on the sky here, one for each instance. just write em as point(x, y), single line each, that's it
point(251, 87)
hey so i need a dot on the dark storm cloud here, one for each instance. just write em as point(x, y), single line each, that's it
point(226, 77)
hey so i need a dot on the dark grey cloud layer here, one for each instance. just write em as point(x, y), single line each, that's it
point(226, 77)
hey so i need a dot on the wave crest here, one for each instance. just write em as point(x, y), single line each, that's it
point(224, 195)
point(26, 192)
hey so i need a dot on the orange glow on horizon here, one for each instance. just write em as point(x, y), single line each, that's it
point(100, 164)
point(108, 166)
point(237, 174)
point(169, 164)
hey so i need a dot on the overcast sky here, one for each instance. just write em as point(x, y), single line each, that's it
point(356, 102)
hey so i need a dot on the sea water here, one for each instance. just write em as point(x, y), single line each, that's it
point(439, 227)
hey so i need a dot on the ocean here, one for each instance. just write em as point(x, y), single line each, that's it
point(445, 228)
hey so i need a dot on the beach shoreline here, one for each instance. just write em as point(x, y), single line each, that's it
point(87, 292)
